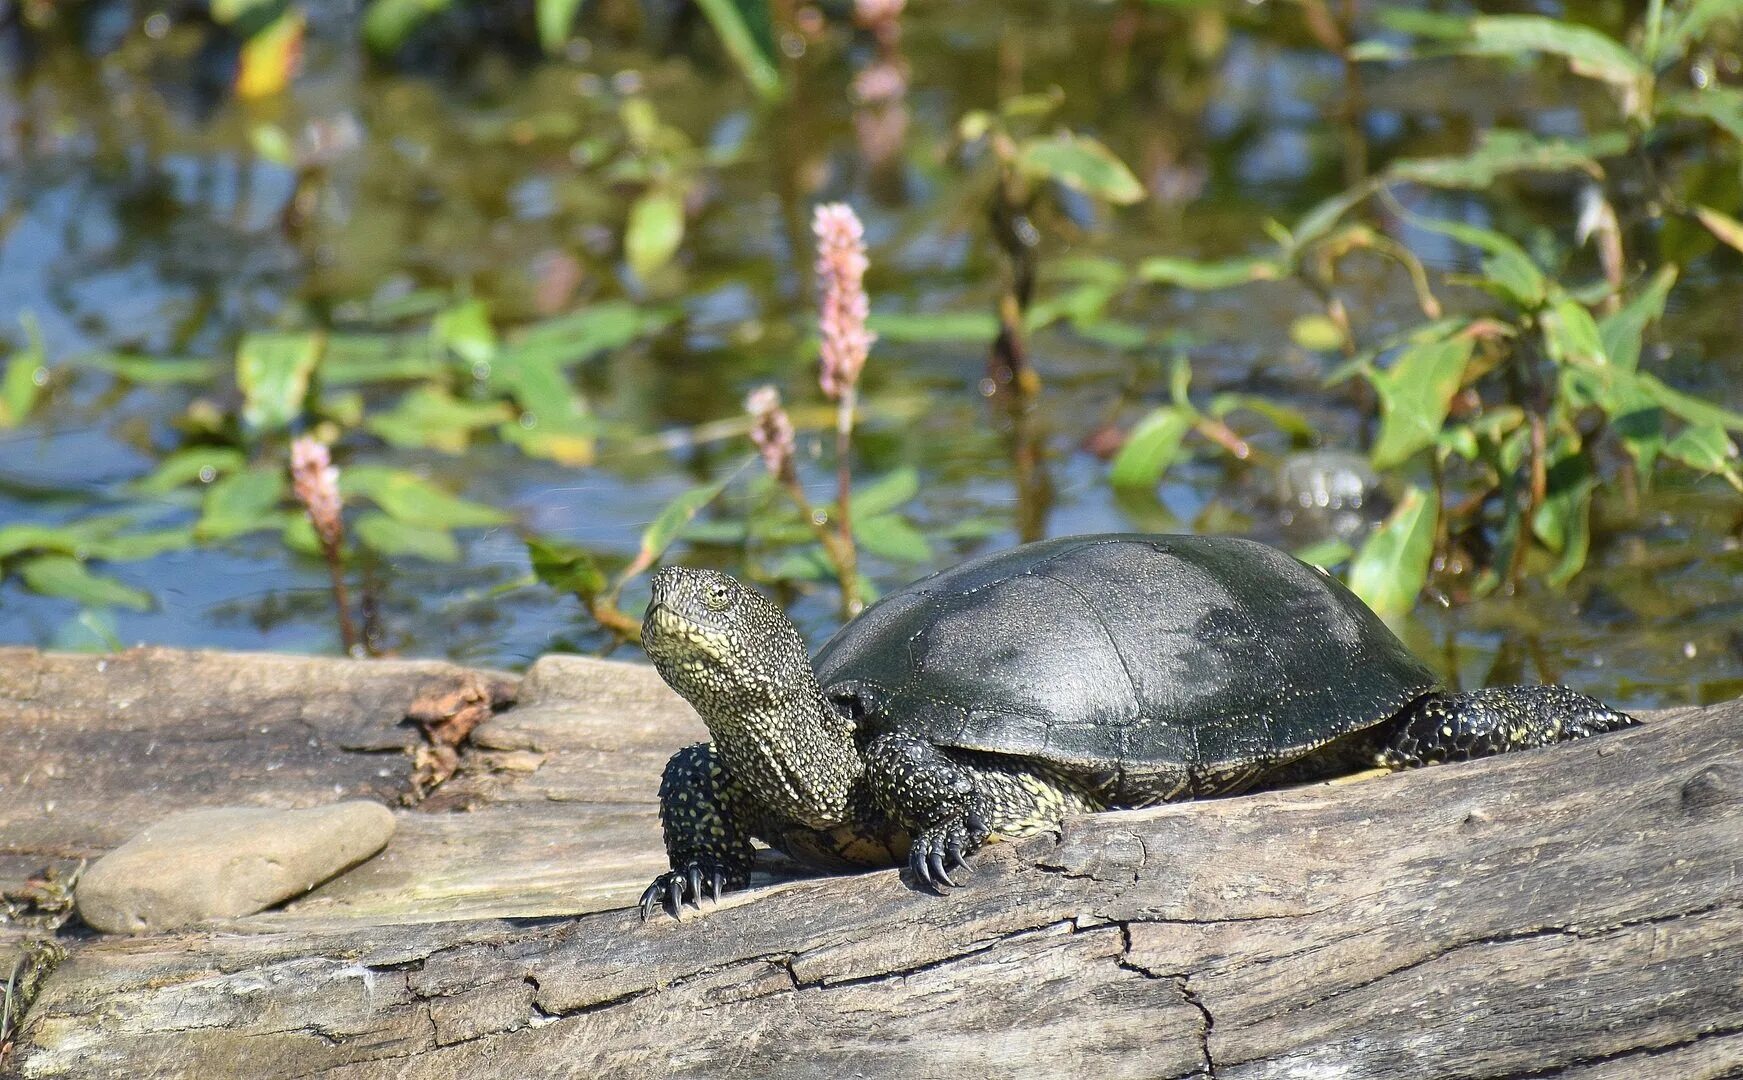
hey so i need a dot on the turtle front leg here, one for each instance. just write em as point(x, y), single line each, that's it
point(706, 843)
point(951, 803)
point(1458, 727)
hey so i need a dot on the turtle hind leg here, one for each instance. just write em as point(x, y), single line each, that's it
point(1439, 728)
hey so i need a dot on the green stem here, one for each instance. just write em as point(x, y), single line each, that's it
point(341, 596)
point(847, 559)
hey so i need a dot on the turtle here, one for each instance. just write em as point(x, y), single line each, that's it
point(1078, 674)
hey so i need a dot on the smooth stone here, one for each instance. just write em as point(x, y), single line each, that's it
point(225, 863)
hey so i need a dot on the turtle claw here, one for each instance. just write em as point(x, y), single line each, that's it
point(934, 853)
point(677, 887)
point(953, 852)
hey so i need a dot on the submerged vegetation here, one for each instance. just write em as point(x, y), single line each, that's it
point(419, 317)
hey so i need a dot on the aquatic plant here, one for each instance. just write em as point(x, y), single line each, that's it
point(315, 483)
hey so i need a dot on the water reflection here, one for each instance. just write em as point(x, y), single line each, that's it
point(143, 208)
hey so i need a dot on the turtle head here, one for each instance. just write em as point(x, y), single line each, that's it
point(741, 663)
point(726, 648)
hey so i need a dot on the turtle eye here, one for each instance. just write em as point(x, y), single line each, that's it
point(718, 598)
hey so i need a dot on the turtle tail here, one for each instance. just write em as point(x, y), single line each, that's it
point(1439, 728)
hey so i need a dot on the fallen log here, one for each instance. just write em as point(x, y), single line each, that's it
point(1574, 911)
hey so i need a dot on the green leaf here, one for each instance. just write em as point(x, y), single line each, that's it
point(1316, 333)
point(99, 625)
point(723, 533)
point(153, 370)
point(672, 520)
point(1180, 381)
point(415, 501)
point(566, 567)
point(1505, 262)
point(1690, 408)
point(1563, 521)
point(1587, 51)
point(130, 547)
point(1502, 153)
point(68, 578)
point(1727, 228)
point(1392, 566)
point(930, 328)
point(1084, 303)
point(25, 376)
point(555, 19)
point(273, 372)
point(555, 422)
point(972, 528)
point(1325, 554)
point(1292, 422)
point(241, 503)
point(745, 28)
point(581, 335)
point(974, 124)
point(1571, 335)
point(1151, 447)
point(887, 492)
point(1415, 394)
point(1317, 222)
point(270, 143)
point(1115, 334)
point(1205, 276)
point(1719, 106)
point(350, 359)
point(390, 536)
point(388, 22)
point(1692, 22)
point(806, 564)
point(655, 229)
point(1434, 25)
point(1624, 331)
point(465, 329)
point(1082, 164)
point(891, 537)
point(70, 538)
point(226, 12)
point(1030, 106)
point(202, 463)
point(298, 534)
point(431, 417)
point(1706, 448)
point(29, 536)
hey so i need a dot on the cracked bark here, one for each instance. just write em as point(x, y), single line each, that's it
point(1572, 912)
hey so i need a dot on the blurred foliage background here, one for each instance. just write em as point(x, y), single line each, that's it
point(1445, 297)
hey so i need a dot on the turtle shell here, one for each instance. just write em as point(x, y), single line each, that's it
point(1160, 665)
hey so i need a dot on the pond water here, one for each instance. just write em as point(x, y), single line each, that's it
point(143, 210)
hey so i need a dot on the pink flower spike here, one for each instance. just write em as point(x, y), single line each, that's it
point(315, 480)
point(876, 12)
point(773, 431)
point(882, 17)
point(844, 306)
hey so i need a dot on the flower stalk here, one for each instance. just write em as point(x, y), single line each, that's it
point(315, 481)
point(772, 432)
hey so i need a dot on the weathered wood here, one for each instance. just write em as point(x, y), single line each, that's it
point(559, 792)
point(1575, 911)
